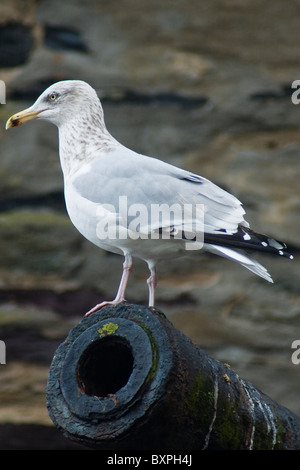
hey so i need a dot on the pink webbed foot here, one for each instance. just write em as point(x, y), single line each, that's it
point(103, 304)
point(120, 297)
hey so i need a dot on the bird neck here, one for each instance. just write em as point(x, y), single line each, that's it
point(80, 141)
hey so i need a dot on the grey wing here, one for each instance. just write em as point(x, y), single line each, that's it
point(140, 183)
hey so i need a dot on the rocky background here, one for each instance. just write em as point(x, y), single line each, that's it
point(203, 85)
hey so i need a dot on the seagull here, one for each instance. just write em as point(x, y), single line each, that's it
point(135, 205)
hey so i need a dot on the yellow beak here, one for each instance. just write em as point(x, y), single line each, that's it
point(19, 118)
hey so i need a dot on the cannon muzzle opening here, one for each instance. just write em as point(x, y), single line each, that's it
point(113, 357)
point(108, 375)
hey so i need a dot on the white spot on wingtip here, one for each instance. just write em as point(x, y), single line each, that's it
point(264, 243)
point(246, 236)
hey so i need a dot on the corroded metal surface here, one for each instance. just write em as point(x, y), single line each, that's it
point(125, 378)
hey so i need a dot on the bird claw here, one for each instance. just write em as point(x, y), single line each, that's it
point(103, 304)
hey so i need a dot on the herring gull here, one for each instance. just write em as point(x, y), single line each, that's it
point(111, 193)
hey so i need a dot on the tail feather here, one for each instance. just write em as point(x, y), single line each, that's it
point(247, 239)
point(240, 258)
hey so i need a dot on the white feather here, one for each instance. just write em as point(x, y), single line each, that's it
point(240, 258)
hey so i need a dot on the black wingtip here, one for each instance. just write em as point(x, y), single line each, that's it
point(247, 239)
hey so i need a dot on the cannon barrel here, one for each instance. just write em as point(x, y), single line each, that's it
point(125, 378)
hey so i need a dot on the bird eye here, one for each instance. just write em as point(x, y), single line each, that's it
point(52, 96)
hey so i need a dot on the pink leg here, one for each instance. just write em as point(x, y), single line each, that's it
point(152, 282)
point(120, 297)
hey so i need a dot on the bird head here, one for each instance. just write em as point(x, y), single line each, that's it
point(58, 104)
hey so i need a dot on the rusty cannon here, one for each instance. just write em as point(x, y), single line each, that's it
point(125, 378)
